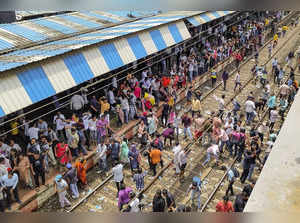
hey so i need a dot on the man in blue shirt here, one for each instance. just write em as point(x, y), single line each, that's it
point(10, 182)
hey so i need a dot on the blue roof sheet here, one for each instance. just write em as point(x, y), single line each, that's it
point(54, 25)
point(66, 45)
point(24, 32)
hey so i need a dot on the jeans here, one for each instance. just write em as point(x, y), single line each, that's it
point(63, 200)
point(118, 184)
point(93, 136)
point(125, 111)
point(191, 76)
point(8, 195)
point(237, 84)
point(230, 188)
point(244, 175)
point(164, 119)
point(2, 205)
point(36, 177)
point(74, 190)
point(100, 138)
point(153, 167)
point(251, 170)
point(224, 84)
point(188, 131)
point(196, 195)
point(249, 116)
point(74, 152)
point(223, 143)
point(208, 158)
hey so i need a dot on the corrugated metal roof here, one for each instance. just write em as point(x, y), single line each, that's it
point(34, 83)
point(207, 17)
point(62, 46)
point(46, 28)
point(65, 45)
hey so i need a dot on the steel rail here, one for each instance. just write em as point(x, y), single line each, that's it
point(187, 147)
point(258, 124)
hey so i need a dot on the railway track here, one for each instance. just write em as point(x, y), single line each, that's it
point(105, 200)
point(210, 176)
point(219, 190)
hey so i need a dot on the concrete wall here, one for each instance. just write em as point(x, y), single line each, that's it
point(278, 187)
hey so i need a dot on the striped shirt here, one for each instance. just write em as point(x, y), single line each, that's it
point(139, 180)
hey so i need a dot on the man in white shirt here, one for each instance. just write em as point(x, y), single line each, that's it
point(182, 159)
point(176, 151)
point(59, 121)
point(4, 149)
point(43, 127)
point(15, 146)
point(93, 130)
point(249, 109)
point(221, 104)
point(237, 81)
point(77, 103)
point(101, 155)
point(3, 168)
point(10, 182)
point(273, 117)
point(274, 64)
point(212, 150)
point(33, 132)
point(117, 171)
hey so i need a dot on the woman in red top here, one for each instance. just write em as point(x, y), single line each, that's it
point(225, 205)
point(165, 81)
point(63, 154)
point(137, 90)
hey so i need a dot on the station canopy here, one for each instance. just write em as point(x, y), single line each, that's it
point(30, 75)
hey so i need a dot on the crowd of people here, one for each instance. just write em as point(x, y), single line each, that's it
point(31, 151)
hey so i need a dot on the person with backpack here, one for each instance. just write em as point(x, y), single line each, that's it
point(195, 189)
point(232, 174)
point(71, 178)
